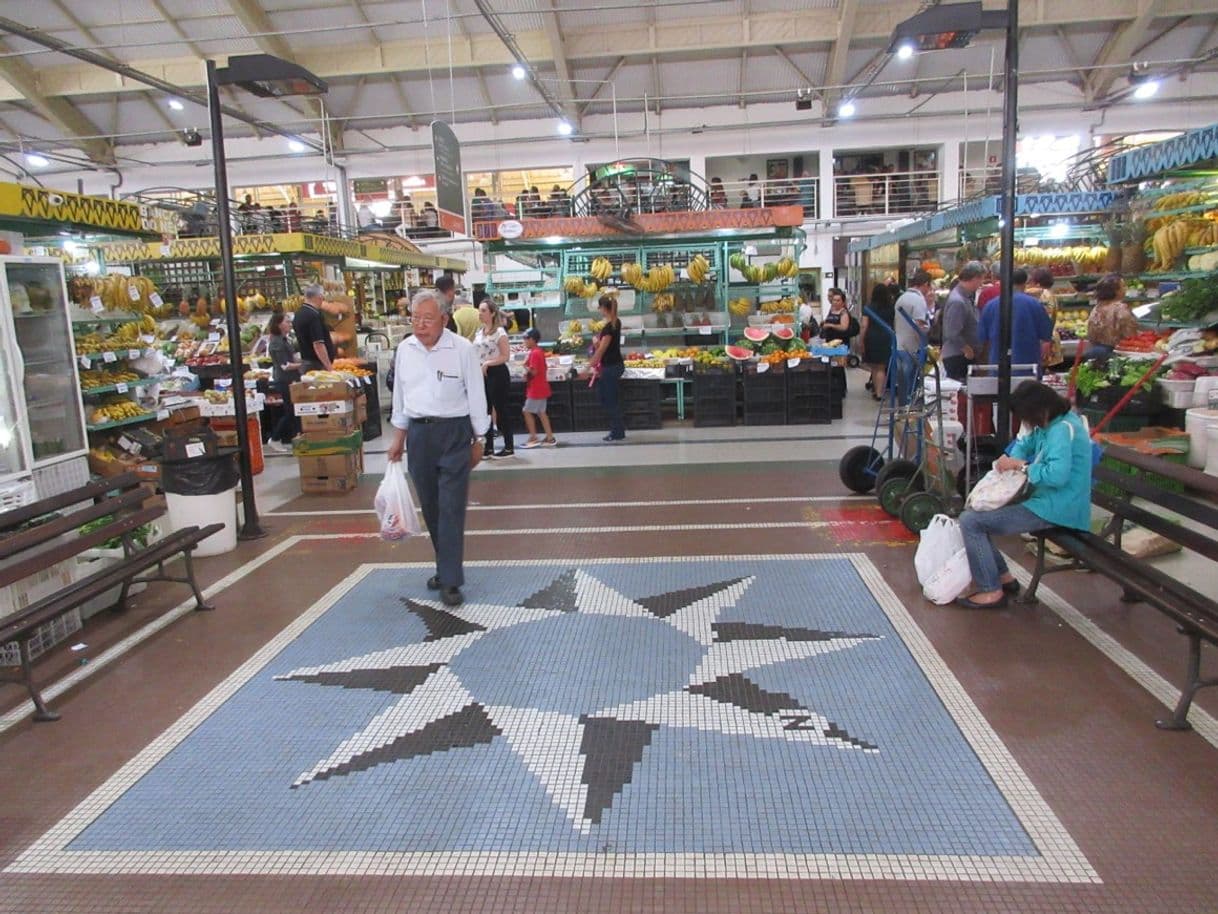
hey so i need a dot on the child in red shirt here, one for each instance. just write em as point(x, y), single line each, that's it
point(536, 391)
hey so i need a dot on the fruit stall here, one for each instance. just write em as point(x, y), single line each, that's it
point(708, 321)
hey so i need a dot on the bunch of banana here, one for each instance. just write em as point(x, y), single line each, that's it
point(659, 278)
point(596, 326)
point(740, 306)
point(575, 328)
point(601, 269)
point(115, 411)
point(577, 285)
point(699, 268)
point(105, 377)
point(663, 302)
point(1180, 200)
point(787, 267)
point(119, 292)
point(633, 274)
point(781, 306)
point(90, 343)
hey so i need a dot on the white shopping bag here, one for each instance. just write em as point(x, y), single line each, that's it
point(997, 489)
point(941, 562)
point(395, 506)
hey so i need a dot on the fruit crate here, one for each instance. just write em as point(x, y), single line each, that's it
point(586, 412)
point(714, 396)
point(809, 395)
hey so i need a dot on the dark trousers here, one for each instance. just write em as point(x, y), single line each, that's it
point(288, 426)
point(437, 456)
point(607, 389)
point(956, 367)
point(498, 382)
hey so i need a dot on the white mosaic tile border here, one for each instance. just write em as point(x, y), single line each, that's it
point(543, 506)
point(1061, 860)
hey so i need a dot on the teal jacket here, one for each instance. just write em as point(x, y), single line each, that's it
point(1059, 470)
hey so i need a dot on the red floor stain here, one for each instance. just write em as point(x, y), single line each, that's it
point(867, 523)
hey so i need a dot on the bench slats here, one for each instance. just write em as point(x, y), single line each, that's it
point(99, 582)
point(28, 566)
point(35, 536)
point(1200, 543)
point(10, 520)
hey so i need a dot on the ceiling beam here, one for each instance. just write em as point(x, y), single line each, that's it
point(807, 80)
point(78, 130)
point(1120, 47)
point(558, 51)
point(608, 78)
point(633, 40)
point(835, 74)
point(744, 63)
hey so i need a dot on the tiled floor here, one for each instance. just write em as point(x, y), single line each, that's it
point(692, 676)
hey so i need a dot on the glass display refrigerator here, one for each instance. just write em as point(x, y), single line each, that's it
point(42, 432)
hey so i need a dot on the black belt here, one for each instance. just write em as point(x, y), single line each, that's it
point(427, 420)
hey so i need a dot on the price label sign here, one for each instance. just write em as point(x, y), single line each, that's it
point(706, 331)
point(162, 415)
point(793, 363)
point(96, 304)
point(825, 359)
point(156, 299)
point(128, 445)
point(195, 449)
point(147, 339)
point(213, 337)
point(133, 292)
point(86, 362)
point(121, 387)
point(133, 353)
point(763, 367)
point(109, 357)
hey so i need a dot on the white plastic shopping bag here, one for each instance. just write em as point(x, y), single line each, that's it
point(395, 506)
point(997, 489)
point(941, 562)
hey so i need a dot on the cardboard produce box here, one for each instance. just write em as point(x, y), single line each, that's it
point(331, 425)
point(313, 392)
point(333, 474)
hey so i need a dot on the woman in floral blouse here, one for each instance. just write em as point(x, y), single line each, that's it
point(1110, 320)
point(1041, 287)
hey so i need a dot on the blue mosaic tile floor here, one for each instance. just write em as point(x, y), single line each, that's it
point(690, 707)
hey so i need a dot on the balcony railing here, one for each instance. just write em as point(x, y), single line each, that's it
point(885, 194)
point(785, 192)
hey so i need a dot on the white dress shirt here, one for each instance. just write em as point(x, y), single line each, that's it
point(442, 382)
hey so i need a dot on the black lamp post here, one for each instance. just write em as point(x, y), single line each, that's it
point(268, 77)
point(953, 26)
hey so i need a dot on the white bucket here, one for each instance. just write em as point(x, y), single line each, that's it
point(201, 510)
point(1201, 390)
point(1211, 450)
point(1196, 423)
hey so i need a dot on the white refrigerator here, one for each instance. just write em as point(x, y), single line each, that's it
point(42, 422)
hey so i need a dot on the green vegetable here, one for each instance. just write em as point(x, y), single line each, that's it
point(139, 535)
point(1192, 301)
point(1090, 378)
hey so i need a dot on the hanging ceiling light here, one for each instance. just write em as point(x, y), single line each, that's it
point(296, 146)
point(565, 128)
point(519, 72)
point(906, 50)
point(38, 161)
point(846, 109)
point(1147, 89)
point(176, 105)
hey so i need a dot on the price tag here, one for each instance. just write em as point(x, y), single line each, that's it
point(134, 353)
point(109, 357)
point(213, 337)
point(793, 363)
point(763, 367)
point(96, 304)
point(706, 331)
point(195, 449)
point(367, 380)
point(133, 292)
point(162, 415)
point(121, 387)
point(86, 362)
point(128, 445)
point(825, 359)
point(251, 384)
point(156, 299)
point(148, 339)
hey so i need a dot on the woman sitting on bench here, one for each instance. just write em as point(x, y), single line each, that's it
point(1055, 450)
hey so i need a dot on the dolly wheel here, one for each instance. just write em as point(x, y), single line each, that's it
point(858, 468)
point(918, 509)
point(894, 468)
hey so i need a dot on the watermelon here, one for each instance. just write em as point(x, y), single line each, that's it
point(784, 333)
point(756, 334)
point(739, 353)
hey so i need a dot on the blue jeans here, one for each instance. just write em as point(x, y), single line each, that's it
point(984, 560)
point(607, 390)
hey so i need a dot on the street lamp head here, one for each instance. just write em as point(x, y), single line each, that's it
point(267, 76)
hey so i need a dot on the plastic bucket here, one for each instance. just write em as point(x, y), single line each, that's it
point(1202, 388)
point(201, 510)
point(1211, 453)
point(1196, 422)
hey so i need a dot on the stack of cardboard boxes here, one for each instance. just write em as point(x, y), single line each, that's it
point(330, 448)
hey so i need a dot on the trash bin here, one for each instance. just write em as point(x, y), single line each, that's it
point(199, 491)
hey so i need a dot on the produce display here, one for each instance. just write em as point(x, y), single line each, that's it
point(1063, 261)
point(656, 279)
point(125, 336)
point(1072, 323)
point(1195, 299)
point(780, 306)
point(115, 410)
point(577, 285)
point(106, 377)
point(785, 267)
point(740, 306)
point(1114, 372)
point(353, 367)
point(699, 268)
point(1143, 341)
point(119, 292)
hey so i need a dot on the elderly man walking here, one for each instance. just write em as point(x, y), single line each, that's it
point(439, 420)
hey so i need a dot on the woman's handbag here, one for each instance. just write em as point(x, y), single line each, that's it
point(997, 489)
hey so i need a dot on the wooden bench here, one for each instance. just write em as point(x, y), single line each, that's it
point(29, 539)
point(1194, 613)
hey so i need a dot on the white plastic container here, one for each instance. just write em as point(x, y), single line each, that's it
point(952, 432)
point(1201, 392)
point(1198, 422)
point(1211, 450)
point(201, 510)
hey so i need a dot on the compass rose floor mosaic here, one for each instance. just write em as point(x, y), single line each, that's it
point(668, 716)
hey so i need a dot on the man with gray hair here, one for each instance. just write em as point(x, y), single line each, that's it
point(439, 420)
point(960, 341)
point(312, 336)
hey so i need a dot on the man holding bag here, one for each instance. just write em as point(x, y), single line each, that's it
point(439, 420)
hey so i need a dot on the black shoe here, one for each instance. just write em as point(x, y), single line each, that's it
point(614, 438)
point(1010, 587)
point(506, 452)
point(451, 596)
point(433, 583)
point(488, 454)
point(971, 604)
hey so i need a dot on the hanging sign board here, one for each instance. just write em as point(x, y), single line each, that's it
point(450, 189)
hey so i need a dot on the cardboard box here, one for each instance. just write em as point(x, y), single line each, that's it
point(122, 463)
point(185, 444)
point(314, 392)
point(324, 407)
point(330, 426)
point(330, 475)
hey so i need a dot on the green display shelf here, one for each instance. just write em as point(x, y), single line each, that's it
point(134, 420)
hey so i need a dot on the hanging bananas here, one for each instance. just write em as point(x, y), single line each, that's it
point(699, 268)
point(601, 269)
point(578, 286)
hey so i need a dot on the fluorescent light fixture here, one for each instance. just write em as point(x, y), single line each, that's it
point(176, 105)
point(296, 146)
point(414, 181)
point(381, 208)
point(565, 128)
point(519, 72)
point(905, 51)
point(846, 109)
point(92, 268)
point(1059, 229)
point(1145, 90)
point(71, 247)
point(38, 161)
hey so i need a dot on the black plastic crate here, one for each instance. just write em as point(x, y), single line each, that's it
point(767, 416)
